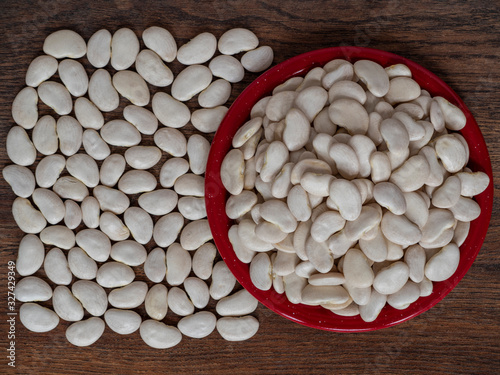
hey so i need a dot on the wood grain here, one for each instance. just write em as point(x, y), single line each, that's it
point(459, 41)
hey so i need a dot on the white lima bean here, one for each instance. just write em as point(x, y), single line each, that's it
point(198, 292)
point(123, 322)
point(179, 302)
point(20, 149)
point(237, 329)
point(198, 50)
point(114, 274)
point(132, 86)
point(70, 134)
point(48, 170)
point(124, 48)
point(169, 111)
point(191, 81)
point(129, 252)
point(198, 325)
point(37, 318)
point(89, 191)
point(178, 263)
point(158, 335)
point(130, 296)
point(91, 295)
point(25, 108)
point(56, 96)
point(66, 305)
point(20, 179)
point(64, 43)
point(32, 289)
point(143, 119)
point(150, 66)
point(99, 48)
point(161, 41)
point(58, 235)
point(81, 264)
point(155, 267)
point(44, 135)
point(227, 67)
point(85, 332)
point(359, 153)
point(41, 68)
point(156, 302)
point(74, 77)
point(30, 255)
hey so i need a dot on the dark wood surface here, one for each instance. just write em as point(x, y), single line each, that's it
point(457, 40)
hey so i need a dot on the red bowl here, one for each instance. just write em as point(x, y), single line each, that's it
point(216, 195)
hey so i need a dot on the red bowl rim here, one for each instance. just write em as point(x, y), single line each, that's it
point(216, 195)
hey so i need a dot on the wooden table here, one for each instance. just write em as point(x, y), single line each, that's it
point(457, 40)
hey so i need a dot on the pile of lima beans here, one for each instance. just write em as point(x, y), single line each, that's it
point(349, 189)
point(105, 194)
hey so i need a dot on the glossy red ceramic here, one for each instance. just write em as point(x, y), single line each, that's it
point(216, 195)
